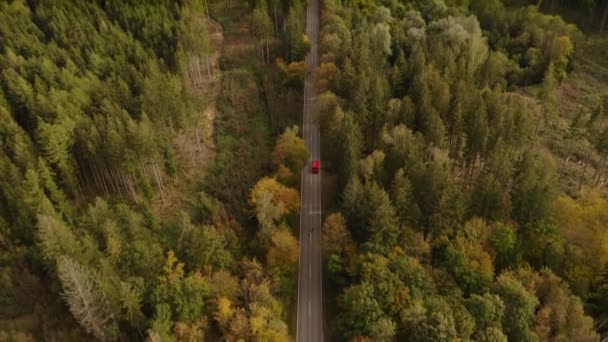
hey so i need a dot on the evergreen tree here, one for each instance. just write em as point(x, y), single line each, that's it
point(403, 197)
point(297, 42)
point(263, 29)
point(532, 189)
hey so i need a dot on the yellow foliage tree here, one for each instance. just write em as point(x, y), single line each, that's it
point(293, 72)
point(291, 152)
point(584, 224)
point(561, 52)
point(284, 251)
point(266, 324)
point(173, 269)
point(190, 332)
point(336, 237)
point(326, 75)
point(289, 197)
point(224, 312)
point(238, 330)
point(562, 46)
point(224, 284)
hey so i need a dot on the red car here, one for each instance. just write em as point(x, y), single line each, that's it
point(315, 166)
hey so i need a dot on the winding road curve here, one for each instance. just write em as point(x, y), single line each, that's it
point(310, 289)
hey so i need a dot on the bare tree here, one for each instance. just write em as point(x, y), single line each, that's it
point(79, 293)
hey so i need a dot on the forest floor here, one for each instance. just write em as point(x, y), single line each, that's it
point(194, 147)
point(581, 90)
point(239, 41)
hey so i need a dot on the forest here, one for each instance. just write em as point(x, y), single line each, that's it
point(140, 142)
point(152, 151)
point(468, 143)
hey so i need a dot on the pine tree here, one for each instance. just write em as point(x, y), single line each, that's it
point(351, 146)
point(295, 27)
point(55, 194)
point(533, 188)
point(55, 140)
point(547, 99)
point(403, 197)
point(57, 239)
point(34, 196)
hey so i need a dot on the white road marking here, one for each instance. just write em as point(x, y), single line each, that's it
point(309, 308)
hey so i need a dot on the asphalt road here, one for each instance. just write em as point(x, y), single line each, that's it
point(310, 290)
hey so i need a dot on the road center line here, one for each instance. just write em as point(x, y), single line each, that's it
point(309, 308)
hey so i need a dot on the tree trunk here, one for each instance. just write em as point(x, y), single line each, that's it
point(120, 178)
point(198, 69)
point(198, 141)
point(143, 167)
point(456, 147)
point(562, 169)
point(267, 52)
point(598, 170)
point(112, 181)
point(80, 174)
point(191, 73)
point(192, 69)
point(450, 138)
point(101, 179)
point(83, 170)
point(195, 73)
point(469, 171)
point(132, 188)
point(117, 181)
point(604, 17)
point(158, 182)
point(276, 25)
point(94, 175)
point(192, 154)
point(106, 176)
point(262, 50)
point(587, 157)
point(536, 130)
point(160, 178)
